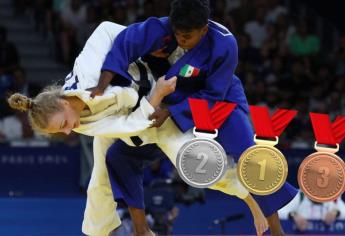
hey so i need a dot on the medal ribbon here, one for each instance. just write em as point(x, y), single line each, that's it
point(268, 127)
point(325, 132)
point(206, 119)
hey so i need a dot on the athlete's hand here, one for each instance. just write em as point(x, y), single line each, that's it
point(159, 116)
point(165, 87)
point(96, 91)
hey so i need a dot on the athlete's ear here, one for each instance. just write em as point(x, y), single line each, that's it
point(64, 103)
point(204, 29)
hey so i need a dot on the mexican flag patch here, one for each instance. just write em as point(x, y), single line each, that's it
point(189, 71)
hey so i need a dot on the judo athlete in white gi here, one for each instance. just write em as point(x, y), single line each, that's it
point(61, 110)
point(108, 117)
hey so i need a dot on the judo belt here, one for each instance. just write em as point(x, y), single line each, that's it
point(144, 88)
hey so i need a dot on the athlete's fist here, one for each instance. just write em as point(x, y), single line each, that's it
point(165, 87)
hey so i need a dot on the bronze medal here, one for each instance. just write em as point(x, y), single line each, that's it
point(321, 176)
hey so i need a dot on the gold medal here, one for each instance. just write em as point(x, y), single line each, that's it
point(262, 168)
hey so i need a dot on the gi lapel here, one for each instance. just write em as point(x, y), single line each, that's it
point(190, 58)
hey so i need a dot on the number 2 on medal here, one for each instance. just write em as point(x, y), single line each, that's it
point(203, 162)
point(322, 181)
point(262, 165)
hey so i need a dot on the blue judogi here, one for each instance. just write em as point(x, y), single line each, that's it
point(216, 57)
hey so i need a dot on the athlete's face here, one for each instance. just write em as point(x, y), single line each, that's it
point(189, 39)
point(63, 121)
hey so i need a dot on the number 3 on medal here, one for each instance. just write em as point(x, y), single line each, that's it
point(262, 165)
point(204, 158)
point(322, 181)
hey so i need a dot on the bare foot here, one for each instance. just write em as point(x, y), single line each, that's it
point(260, 222)
point(149, 233)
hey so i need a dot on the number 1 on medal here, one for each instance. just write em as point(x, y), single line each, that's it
point(262, 169)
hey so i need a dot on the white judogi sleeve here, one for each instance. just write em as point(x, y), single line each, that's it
point(110, 114)
point(108, 118)
point(88, 64)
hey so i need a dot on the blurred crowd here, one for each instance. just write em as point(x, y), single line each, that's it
point(13, 125)
point(302, 211)
point(283, 62)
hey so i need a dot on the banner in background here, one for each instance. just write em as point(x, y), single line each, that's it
point(37, 171)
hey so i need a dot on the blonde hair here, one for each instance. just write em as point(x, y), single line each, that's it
point(40, 108)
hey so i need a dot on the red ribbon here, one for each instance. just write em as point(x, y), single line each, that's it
point(267, 127)
point(326, 132)
point(206, 119)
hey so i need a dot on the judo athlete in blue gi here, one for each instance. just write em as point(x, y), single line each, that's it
point(186, 41)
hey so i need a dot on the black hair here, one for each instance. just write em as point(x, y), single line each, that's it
point(187, 15)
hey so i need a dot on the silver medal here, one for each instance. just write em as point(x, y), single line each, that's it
point(201, 162)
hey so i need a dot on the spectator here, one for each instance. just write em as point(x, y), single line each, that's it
point(149, 10)
point(274, 71)
point(243, 13)
point(257, 28)
point(20, 83)
point(247, 53)
point(274, 10)
point(132, 10)
point(16, 127)
point(73, 16)
point(222, 15)
point(303, 139)
point(92, 21)
point(298, 78)
point(303, 42)
point(300, 210)
point(284, 30)
point(42, 16)
point(9, 60)
point(340, 56)
point(270, 46)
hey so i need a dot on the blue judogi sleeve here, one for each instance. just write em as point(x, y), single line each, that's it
point(217, 83)
point(133, 42)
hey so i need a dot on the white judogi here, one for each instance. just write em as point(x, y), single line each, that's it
point(109, 118)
